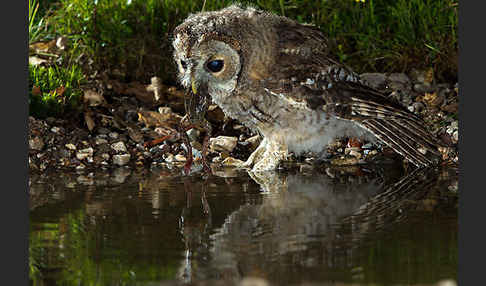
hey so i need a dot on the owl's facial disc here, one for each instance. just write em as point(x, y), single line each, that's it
point(216, 67)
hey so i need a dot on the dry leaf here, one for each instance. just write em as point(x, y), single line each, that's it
point(42, 47)
point(89, 120)
point(155, 119)
point(36, 90)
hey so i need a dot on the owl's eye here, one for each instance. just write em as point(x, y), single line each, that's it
point(215, 65)
point(183, 64)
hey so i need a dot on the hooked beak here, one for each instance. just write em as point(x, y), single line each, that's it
point(193, 85)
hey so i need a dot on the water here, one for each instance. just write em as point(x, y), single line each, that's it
point(351, 226)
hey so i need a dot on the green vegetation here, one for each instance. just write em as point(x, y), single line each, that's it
point(130, 39)
point(54, 91)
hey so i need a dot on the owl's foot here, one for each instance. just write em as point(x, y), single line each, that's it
point(265, 158)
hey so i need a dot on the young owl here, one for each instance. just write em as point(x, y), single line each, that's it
point(275, 76)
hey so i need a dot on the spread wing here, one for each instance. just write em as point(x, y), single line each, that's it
point(305, 73)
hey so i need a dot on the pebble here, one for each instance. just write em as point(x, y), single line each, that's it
point(223, 143)
point(169, 158)
point(367, 146)
point(423, 87)
point(36, 143)
point(121, 160)
point(70, 146)
point(103, 131)
point(180, 158)
point(105, 156)
point(193, 134)
point(375, 80)
point(355, 153)
point(99, 141)
point(84, 153)
point(113, 135)
point(55, 129)
point(119, 147)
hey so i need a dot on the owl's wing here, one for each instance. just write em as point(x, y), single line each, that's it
point(339, 92)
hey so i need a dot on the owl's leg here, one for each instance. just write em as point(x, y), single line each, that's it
point(254, 157)
point(272, 155)
point(265, 158)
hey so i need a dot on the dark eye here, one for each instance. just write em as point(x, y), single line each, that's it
point(215, 66)
point(183, 64)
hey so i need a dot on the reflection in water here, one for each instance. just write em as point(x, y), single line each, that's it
point(357, 226)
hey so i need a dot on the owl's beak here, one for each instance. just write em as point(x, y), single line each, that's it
point(193, 85)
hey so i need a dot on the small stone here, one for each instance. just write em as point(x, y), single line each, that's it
point(36, 143)
point(99, 141)
point(113, 135)
point(355, 153)
point(70, 146)
point(80, 167)
point(103, 130)
point(399, 77)
point(375, 80)
point(105, 156)
point(84, 153)
point(121, 160)
point(423, 87)
point(55, 129)
point(223, 144)
point(193, 134)
point(455, 136)
point(169, 158)
point(367, 146)
point(119, 147)
point(180, 158)
point(348, 150)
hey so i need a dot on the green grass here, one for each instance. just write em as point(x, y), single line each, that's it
point(54, 91)
point(130, 39)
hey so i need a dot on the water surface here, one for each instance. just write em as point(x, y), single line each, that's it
point(350, 226)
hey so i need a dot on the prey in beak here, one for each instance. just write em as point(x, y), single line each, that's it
point(196, 104)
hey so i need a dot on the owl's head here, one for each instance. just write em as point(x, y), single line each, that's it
point(213, 49)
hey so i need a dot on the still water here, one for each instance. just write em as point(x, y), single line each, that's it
point(348, 226)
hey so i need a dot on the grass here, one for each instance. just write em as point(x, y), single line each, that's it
point(130, 39)
point(54, 91)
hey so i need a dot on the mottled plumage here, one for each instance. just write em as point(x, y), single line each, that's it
point(276, 77)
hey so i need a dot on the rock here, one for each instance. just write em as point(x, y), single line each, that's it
point(399, 77)
point(99, 141)
point(423, 87)
point(180, 158)
point(355, 153)
point(84, 153)
point(36, 143)
point(56, 129)
point(375, 80)
point(121, 160)
point(119, 147)
point(103, 130)
point(113, 135)
point(169, 158)
point(416, 107)
point(193, 134)
point(105, 156)
point(70, 146)
point(223, 144)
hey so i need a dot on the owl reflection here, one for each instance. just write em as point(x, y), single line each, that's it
point(275, 76)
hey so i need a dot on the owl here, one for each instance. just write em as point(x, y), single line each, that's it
point(276, 76)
